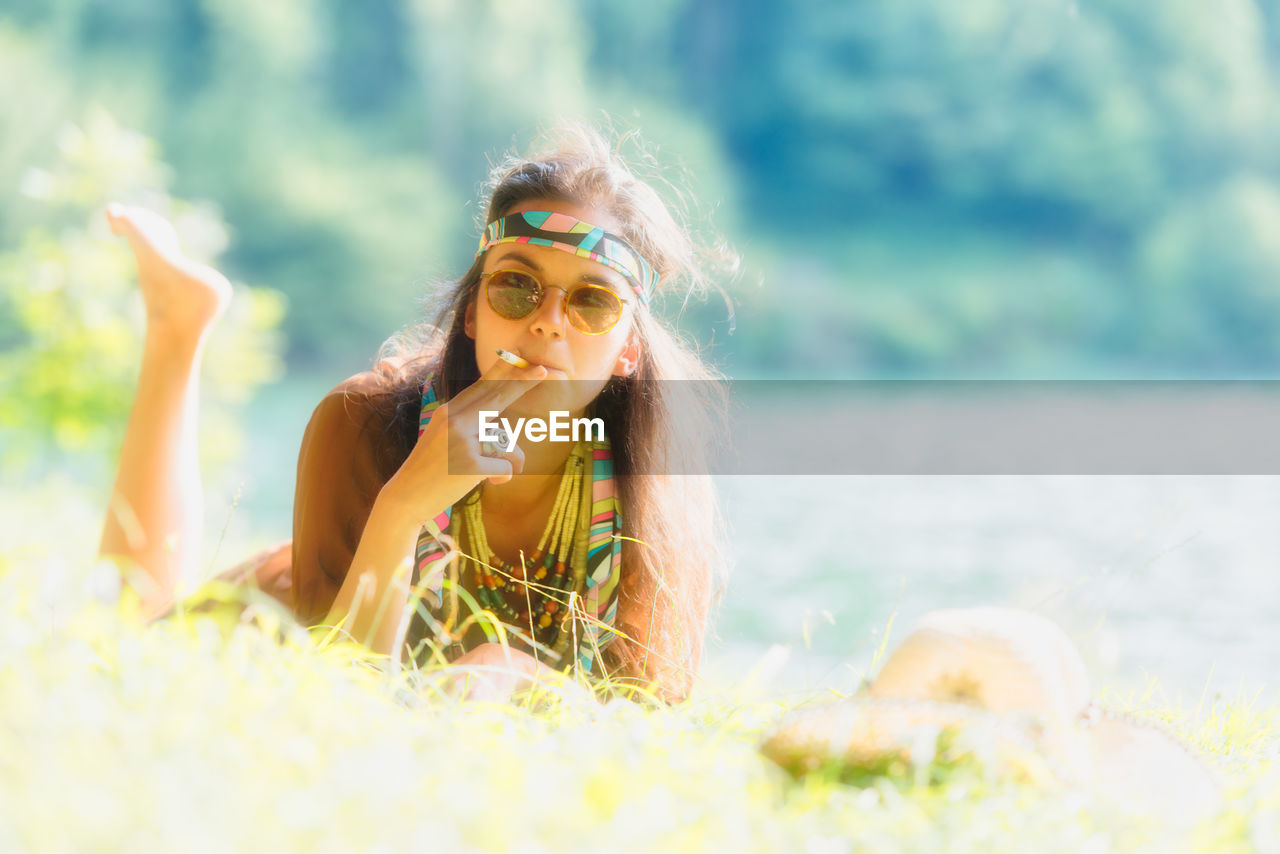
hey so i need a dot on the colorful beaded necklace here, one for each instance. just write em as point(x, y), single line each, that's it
point(540, 585)
point(592, 559)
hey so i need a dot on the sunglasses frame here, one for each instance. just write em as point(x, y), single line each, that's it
point(542, 295)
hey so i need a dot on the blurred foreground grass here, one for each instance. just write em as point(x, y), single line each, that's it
point(209, 733)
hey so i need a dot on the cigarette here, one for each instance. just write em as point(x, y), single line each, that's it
point(513, 359)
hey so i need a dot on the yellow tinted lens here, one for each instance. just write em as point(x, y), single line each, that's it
point(593, 309)
point(513, 294)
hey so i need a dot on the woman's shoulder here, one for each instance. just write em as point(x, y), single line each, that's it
point(379, 403)
point(387, 382)
point(373, 414)
point(365, 384)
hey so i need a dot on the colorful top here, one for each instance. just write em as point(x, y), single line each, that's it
point(596, 583)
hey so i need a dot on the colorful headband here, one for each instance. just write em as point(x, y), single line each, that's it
point(559, 231)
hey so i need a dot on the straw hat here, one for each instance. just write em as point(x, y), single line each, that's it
point(1009, 687)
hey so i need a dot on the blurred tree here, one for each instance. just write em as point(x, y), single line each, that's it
point(1210, 268)
point(72, 327)
point(980, 187)
point(367, 68)
point(1058, 128)
point(1078, 112)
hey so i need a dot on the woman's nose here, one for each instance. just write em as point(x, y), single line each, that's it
point(550, 318)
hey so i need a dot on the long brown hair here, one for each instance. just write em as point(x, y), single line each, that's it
point(673, 560)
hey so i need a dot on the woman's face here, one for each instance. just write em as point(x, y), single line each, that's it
point(545, 336)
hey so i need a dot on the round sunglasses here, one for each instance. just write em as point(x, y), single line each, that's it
point(592, 309)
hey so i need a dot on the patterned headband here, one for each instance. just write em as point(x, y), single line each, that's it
point(559, 231)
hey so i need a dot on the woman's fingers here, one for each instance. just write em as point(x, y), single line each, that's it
point(466, 455)
point(504, 384)
point(145, 227)
point(499, 387)
point(500, 469)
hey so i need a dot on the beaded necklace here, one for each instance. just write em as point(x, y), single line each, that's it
point(540, 584)
point(591, 556)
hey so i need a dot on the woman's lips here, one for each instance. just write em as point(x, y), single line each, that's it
point(550, 366)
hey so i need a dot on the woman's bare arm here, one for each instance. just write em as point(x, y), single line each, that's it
point(372, 600)
point(445, 464)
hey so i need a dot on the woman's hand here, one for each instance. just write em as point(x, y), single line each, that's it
point(492, 672)
point(444, 465)
point(447, 462)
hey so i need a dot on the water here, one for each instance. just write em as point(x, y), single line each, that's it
point(1174, 579)
point(1171, 578)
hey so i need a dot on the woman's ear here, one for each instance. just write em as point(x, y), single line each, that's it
point(469, 321)
point(629, 358)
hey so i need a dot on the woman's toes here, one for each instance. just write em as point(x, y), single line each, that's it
point(116, 218)
point(148, 230)
point(179, 292)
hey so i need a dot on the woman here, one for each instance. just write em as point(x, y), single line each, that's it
point(612, 573)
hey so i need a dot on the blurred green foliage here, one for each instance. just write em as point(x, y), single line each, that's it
point(1011, 187)
point(998, 188)
point(70, 313)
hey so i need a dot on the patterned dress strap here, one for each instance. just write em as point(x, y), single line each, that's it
point(429, 564)
point(604, 557)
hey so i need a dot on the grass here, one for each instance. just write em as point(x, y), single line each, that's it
point(225, 731)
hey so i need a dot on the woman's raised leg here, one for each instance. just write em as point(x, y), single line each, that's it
point(155, 513)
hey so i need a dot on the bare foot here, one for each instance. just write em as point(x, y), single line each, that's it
point(183, 297)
